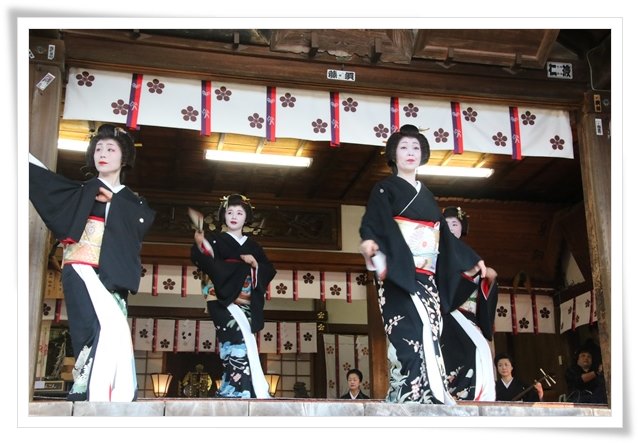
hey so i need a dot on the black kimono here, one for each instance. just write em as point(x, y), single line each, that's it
point(516, 386)
point(102, 244)
point(465, 343)
point(238, 292)
point(412, 299)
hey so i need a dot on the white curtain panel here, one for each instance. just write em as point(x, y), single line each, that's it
point(503, 317)
point(307, 337)
point(545, 314)
point(433, 117)
point(267, 338)
point(330, 350)
point(364, 119)
point(165, 338)
point(143, 333)
point(186, 335)
point(584, 307)
point(303, 114)
point(524, 314)
point(206, 336)
point(566, 315)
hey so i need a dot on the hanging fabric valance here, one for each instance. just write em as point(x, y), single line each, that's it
point(334, 116)
point(288, 284)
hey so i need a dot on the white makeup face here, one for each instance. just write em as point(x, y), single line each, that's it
point(408, 154)
point(455, 226)
point(107, 157)
point(235, 217)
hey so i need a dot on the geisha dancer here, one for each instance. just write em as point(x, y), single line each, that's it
point(468, 330)
point(240, 273)
point(101, 224)
point(418, 263)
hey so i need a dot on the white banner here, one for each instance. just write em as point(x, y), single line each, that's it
point(164, 341)
point(566, 315)
point(206, 336)
point(307, 337)
point(503, 317)
point(330, 350)
point(545, 314)
point(143, 333)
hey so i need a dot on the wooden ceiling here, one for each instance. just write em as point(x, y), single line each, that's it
point(493, 64)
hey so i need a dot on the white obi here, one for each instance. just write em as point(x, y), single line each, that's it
point(422, 237)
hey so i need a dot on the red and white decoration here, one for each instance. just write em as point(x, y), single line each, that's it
point(342, 353)
point(183, 281)
point(578, 311)
point(525, 313)
point(270, 112)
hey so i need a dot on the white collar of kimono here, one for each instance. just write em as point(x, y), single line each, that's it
point(241, 240)
point(115, 189)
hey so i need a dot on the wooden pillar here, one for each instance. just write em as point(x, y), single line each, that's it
point(594, 135)
point(44, 112)
point(376, 343)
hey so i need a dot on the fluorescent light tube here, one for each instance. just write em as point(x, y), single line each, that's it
point(455, 171)
point(258, 159)
point(72, 145)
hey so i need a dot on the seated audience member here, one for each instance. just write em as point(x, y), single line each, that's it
point(355, 377)
point(584, 383)
point(510, 388)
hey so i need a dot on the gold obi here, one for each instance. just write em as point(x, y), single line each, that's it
point(422, 237)
point(87, 250)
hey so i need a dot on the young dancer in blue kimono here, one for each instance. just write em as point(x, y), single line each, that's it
point(240, 273)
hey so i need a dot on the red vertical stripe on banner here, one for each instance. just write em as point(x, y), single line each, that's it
point(295, 286)
point(175, 335)
point(395, 119)
point(337, 369)
point(184, 281)
point(515, 125)
point(154, 335)
point(271, 113)
point(197, 336)
point(58, 310)
point(574, 314)
point(356, 353)
point(348, 287)
point(268, 291)
point(278, 338)
point(322, 286)
point(335, 122)
point(207, 115)
point(592, 302)
point(298, 337)
point(134, 101)
point(155, 278)
point(513, 306)
point(534, 313)
point(457, 127)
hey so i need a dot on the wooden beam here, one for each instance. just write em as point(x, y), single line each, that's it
point(114, 50)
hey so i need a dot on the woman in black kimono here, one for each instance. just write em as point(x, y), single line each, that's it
point(418, 263)
point(467, 331)
point(240, 273)
point(510, 388)
point(101, 224)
